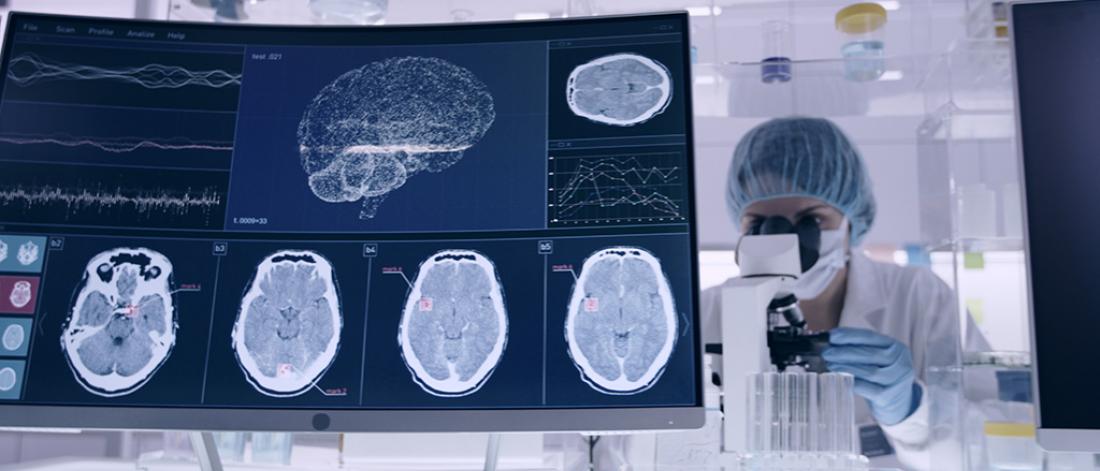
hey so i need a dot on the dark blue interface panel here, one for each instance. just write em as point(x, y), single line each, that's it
point(483, 216)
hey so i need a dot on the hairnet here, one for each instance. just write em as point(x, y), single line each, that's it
point(801, 157)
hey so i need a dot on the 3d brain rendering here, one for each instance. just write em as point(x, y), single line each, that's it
point(122, 325)
point(287, 332)
point(373, 128)
point(621, 325)
point(619, 90)
point(454, 326)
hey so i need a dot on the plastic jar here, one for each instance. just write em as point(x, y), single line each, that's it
point(864, 47)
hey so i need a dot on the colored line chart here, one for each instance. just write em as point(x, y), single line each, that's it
point(616, 189)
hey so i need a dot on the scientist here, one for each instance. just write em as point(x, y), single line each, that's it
point(886, 322)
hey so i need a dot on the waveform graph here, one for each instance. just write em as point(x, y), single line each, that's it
point(28, 69)
point(634, 188)
point(35, 132)
point(90, 75)
point(112, 197)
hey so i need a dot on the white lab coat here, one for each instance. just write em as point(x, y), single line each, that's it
point(910, 304)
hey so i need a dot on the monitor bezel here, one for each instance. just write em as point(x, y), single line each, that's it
point(392, 420)
point(1052, 439)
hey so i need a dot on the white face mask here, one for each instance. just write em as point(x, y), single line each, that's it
point(833, 257)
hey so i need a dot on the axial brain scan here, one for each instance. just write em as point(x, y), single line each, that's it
point(122, 326)
point(619, 90)
point(621, 326)
point(20, 294)
point(454, 326)
point(288, 330)
point(28, 253)
point(13, 337)
point(3, 251)
point(370, 130)
point(8, 379)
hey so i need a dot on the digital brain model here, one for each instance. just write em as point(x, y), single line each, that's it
point(287, 332)
point(370, 130)
point(122, 325)
point(454, 326)
point(619, 90)
point(621, 325)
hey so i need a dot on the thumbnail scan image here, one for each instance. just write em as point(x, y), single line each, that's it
point(28, 253)
point(3, 251)
point(370, 130)
point(20, 295)
point(621, 326)
point(13, 337)
point(287, 332)
point(619, 90)
point(454, 327)
point(122, 326)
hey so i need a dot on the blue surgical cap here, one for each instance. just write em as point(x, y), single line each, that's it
point(801, 157)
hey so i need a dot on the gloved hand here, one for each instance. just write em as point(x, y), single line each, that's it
point(883, 370)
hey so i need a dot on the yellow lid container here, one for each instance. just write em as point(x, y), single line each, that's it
point(860, 18)
point(1009, 429)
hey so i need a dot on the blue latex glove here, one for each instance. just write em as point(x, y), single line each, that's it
point(883, 370)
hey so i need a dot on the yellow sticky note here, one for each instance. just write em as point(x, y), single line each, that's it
point(976, 308)
point(974, 261)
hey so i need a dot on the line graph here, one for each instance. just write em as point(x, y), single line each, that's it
point(104, 196)
point(28, 69)
point(627, 188)
point(117, 145)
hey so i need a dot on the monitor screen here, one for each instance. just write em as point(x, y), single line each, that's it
point(453, 227)
point(1059, 108)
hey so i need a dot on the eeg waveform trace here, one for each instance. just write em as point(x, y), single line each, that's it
point(101, 199)
point(28, 69)
point(118, 145)
point(618, 188)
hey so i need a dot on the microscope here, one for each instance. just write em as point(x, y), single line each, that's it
point(762, 327)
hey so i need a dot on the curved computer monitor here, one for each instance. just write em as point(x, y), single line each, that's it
point(1058, 117)
point(477, 227)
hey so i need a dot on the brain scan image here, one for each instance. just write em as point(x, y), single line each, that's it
point(3, 251)
point(28, 253)
point(621, 325)
point(122, 325)
point(619, 90)
point(454, 327)
point(7, 379)
point(20, 294)
point(287, 332)
point(373, 128)
point(13, 337)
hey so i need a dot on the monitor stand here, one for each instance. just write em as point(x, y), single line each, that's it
point(206, 450)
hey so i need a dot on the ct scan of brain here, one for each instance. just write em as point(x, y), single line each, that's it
point(3, 251)
point(13, 337)
point(619, 90)
point(621, 326)
point(122, 326)
point(7, 379)
point(20, 294)
point(454, 326)
point(288, 330)
point(28, 253)
point(370, 130)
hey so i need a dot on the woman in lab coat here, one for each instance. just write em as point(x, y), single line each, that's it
point(887, 323)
